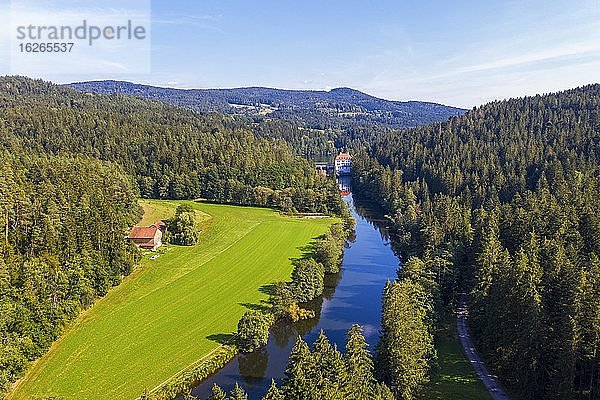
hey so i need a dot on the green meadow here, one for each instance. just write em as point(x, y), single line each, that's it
point(455, 377)
point(173, 310)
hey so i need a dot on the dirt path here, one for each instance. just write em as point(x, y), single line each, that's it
point(489, 380)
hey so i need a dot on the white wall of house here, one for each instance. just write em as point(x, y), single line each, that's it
point(343, 166)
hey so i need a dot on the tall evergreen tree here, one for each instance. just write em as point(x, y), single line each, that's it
point(361, 382)
point(406, 344)
point(299, 374)
point(273, 393)
point(238, 393)
point(329, 369)
point(217, 393)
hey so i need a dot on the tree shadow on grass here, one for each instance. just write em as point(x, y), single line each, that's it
point(306, 251)
point(268, 289)
point(221, 338)
point(256, 307)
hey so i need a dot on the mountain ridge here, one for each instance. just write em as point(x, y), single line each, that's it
point(320, 109)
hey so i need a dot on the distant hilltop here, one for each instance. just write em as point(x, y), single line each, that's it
point(319, 109)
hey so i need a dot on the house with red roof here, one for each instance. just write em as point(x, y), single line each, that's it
point(343, 162)
point(149, 238)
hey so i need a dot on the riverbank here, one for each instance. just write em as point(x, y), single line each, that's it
point(352, 296)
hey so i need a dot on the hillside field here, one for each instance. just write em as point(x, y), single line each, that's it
point(172, 310)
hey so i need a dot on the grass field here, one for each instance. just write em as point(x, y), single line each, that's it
point(455, 378)
point(172, 310)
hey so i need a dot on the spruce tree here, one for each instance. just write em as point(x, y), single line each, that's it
point(382, 392)
point(273, 393)
point(406, 345)
point(330, 370)
point(359, 364)
point(298, 383)
point(217, 393)
point(588, 327)
point(238, 393)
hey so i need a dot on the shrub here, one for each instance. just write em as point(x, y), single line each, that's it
point(307, 280)
point(328, 252)
point(253, 330)
point(295, 313)
point(183, 227)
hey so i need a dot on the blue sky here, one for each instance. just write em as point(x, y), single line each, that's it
point(461, 53)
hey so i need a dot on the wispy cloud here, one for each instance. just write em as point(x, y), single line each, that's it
point(209, 22)
point(568, 50)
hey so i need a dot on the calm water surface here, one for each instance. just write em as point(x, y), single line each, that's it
point(352, 296)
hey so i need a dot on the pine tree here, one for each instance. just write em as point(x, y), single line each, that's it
point(330, 369)
point(238, 393)
point(298, 384)
point(491, 315)
point(558, 339)
point(488, 258)
point(359, 365)
point(588, 328)
point(217, 393)
point(406, 345)
point(273, 393)
point(525, 307)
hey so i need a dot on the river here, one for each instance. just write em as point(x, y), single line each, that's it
point(350, 297)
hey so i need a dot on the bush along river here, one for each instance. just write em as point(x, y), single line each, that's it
point(351, 297)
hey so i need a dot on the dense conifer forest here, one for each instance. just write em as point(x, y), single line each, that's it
point(502, 204)
point(172, 153)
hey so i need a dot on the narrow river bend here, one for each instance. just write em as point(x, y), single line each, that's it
point(350, 297)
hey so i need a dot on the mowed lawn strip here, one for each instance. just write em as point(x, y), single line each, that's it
point(166, 314)
point(455, 378)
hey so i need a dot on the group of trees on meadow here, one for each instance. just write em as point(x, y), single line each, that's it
point(502, 203)
point(307, 283)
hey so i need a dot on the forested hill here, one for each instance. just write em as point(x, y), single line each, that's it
point(336, 108)
point(503, 204)
point(499, 149)
point(170, 152)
